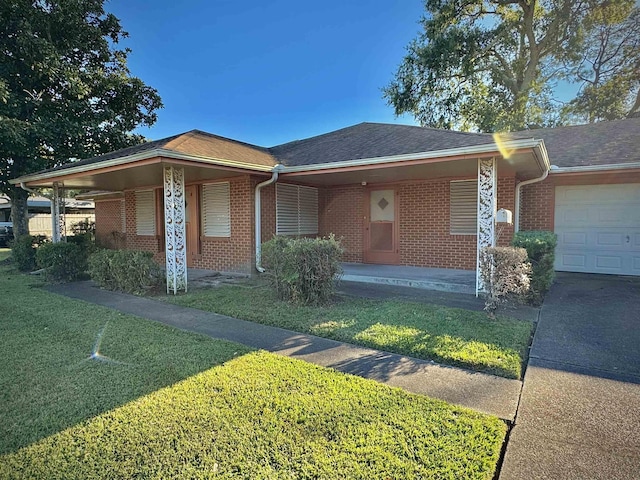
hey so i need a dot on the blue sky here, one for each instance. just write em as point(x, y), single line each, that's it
point(267, 72)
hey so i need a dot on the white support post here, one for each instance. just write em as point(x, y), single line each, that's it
point(55, 213)
point(487, 206)
point(175, 229)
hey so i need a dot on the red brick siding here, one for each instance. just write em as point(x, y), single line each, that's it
point(341, 214)
point(537, 206)
point(234, 254)
point(109, 223)
point(268, 212)
point(149, 243)
point(424, 223)
point(506, 199)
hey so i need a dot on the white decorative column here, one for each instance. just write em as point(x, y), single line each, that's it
point(487, 205)
point(174, 228)
point(56, 219)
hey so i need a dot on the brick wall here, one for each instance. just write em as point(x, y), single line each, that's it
point(537, 206)
point(109, 223)
point(341, 213)
point(234, 254)
point(149, 243)
point(424, 223)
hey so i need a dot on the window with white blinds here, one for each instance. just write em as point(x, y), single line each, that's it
point(216, 210)
point(464, 207)
point(145, 212)
point(296, 210)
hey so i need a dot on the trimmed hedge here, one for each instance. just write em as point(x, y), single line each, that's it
point(62, 261)
point(540, 246)
point(129, 271)
point(23, 251)
point(302, 270)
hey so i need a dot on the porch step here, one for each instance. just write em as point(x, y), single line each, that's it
point(440, 279)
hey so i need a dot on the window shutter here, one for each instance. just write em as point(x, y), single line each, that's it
point(145, 212)
point(307, 210)
point(464, 207)
point(216, 213)
point(296, 210)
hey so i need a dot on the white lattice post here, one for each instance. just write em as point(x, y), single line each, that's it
point(487, 205)
point(55, 213)
point(175, 231)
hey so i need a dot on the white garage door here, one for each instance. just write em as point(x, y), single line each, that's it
point(598, 229)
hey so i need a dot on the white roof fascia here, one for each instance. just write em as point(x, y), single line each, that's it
point(594, 168)
point(158, 152)
point(450, 152)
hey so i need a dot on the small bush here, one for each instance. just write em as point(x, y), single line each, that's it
point(505, 275)
point(302, 270)
point(62, 261)
point(127, 271)
point(85, 241)
point(23, 251)
point(540, 247)
point(84, 227)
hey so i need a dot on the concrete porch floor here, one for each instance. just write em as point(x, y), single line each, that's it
point(441, 279)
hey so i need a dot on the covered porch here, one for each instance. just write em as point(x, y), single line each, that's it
point(440, 279)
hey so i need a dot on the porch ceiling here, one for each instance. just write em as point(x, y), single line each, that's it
point(138, 175)
point(522, 165)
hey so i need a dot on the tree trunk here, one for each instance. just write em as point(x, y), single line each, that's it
point(19, 212)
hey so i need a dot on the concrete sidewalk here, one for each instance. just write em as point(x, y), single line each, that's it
point(579, 414)
point(484, 393)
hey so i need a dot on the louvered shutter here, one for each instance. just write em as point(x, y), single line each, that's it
point(145, 212)
point(464, 207)
point(307, 210)
point(296, 210)
point(216, 214)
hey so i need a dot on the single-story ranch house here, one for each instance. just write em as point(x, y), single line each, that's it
point(394, 194)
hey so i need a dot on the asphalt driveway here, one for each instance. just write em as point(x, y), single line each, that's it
point(579, 414)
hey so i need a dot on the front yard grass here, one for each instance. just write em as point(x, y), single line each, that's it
point(452, 336)
point(155, 402)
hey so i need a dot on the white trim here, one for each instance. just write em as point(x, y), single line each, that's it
point(156, 152)
point(594, 168)
point(449, 152)
point(169, 154)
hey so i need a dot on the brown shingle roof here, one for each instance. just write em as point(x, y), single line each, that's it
point(603, 143)
point(370, 140)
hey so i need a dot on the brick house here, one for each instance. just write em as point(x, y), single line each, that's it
point(394, 194)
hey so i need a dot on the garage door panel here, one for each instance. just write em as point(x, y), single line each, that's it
point(598, 228)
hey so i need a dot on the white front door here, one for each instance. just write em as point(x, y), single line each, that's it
point(598, 228)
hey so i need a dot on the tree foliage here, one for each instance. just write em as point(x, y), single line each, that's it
point(608, 68)
point(65, 89)
point(492, 65)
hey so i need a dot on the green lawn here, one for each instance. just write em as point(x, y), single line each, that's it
point(448, 335)
point(162, 403)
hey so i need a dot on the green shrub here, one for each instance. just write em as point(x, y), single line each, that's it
point(505, 275)
point(83, 227)
point(302, 270)
point(23, 251)
point(85, 241)
point(127, 271)
point(540, 247)
point(62, 261)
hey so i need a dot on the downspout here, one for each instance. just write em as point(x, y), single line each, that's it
point(26, 189)
point(518, 189)
point(258, 220)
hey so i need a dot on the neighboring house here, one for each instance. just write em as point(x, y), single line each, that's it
point(395, 194)
point(39, 210)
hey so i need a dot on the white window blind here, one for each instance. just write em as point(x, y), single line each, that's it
point(296, 210)
point(216, 211)
point(145, 212)
point(464, 207)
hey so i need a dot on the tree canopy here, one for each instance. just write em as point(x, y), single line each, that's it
point(492, 65)
point(65, 89)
